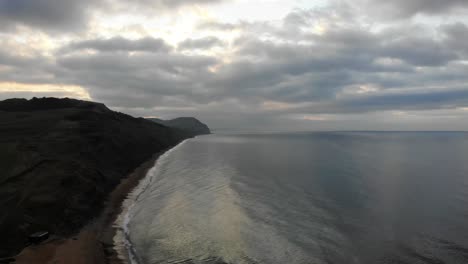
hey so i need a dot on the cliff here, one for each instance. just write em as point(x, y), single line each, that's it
point(60, 158)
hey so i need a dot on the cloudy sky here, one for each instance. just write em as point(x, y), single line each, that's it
point(264, 65)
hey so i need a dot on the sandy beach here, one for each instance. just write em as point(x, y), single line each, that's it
point(94, 243)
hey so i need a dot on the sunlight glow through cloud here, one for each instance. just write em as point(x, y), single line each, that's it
point(273, 61)
point(71, 91)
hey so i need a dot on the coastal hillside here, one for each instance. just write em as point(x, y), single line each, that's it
point(59, 159)
point(189, 124)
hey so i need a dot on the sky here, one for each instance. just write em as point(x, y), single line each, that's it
point(239, 65)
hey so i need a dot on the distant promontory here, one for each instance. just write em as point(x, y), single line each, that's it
point(189, 124)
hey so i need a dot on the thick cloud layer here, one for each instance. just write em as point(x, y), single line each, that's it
point(71, 15)
point(326, 67)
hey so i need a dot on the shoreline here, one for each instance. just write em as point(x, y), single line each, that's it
point(94, 243)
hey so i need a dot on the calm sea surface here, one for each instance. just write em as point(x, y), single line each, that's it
point(354, 197)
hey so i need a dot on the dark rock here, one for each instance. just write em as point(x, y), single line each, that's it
point(189, 124)
point(38, 237)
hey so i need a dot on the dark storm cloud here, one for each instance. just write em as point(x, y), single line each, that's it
point(202, 43)
point(46, 14)
point(147, 44)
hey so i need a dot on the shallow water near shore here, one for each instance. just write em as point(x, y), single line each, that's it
point(354, 197)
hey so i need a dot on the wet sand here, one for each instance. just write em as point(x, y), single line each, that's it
point(94, 244)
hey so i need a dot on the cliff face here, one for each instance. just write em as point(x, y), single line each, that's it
point(188, 124)
point(59, 158)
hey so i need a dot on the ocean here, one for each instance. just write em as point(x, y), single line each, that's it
point(322, 197)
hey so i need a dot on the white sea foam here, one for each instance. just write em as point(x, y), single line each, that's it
point(122, 242)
